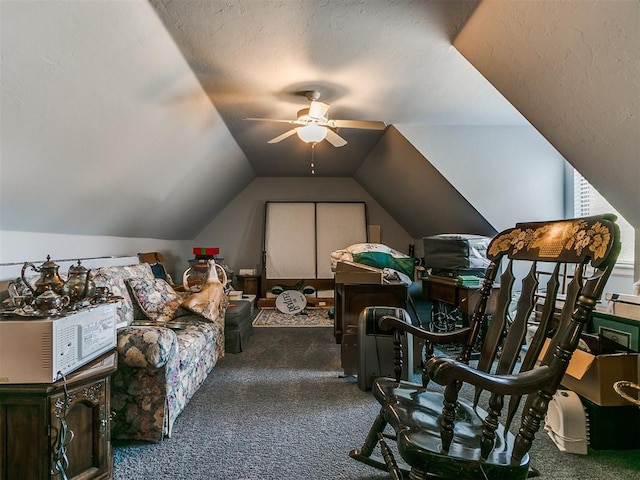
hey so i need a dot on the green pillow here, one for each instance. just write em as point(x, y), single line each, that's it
point(385, 260)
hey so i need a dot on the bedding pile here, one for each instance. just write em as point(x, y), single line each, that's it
point(394, 264)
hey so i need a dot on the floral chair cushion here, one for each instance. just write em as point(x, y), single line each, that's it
point(155, 297)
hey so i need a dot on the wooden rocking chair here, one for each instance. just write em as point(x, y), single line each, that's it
point(439, 435)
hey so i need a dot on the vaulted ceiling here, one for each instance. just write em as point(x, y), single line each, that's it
point(127, 118)
point(388, 61)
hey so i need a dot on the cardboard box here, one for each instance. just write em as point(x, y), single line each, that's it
point(592, 377)
point(235, 295)
point(206, 251)
point(624, 305)
point(351, 272)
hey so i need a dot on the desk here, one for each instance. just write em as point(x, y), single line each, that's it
point(443, 290)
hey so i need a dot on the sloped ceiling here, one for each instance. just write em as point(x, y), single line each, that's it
point(105, 129)
point(384, 60)
point(507, 174)
point(419, 198)
point(126, 118)
point(573, 70)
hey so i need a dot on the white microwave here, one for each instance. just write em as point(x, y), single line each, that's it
point(40, 350)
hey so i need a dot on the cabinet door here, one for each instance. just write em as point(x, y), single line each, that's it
point(23, 443)
point(80, 437)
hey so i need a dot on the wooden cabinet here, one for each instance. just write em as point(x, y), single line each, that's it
point(445, 290)
point(351, 298)
point(46, 429)
point(249, 284)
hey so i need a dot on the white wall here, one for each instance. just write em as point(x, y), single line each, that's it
point(105, 128)
point(509, 174)
point(415, 193)
point(19, 247)
point(572, 69)
point(238, 229)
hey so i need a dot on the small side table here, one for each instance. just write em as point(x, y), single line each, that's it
point(249, 284)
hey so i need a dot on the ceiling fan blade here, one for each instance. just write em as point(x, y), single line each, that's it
point(334, 139)
point(364, 124)
point(291, 122)
point(279, 138)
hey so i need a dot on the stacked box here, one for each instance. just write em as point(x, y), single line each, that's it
point(453, 255)
point(206, 252)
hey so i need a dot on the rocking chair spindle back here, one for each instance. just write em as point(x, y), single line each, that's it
point(441, 435)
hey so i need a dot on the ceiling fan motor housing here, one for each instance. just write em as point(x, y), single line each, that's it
point(318, 110)
point(313, 124)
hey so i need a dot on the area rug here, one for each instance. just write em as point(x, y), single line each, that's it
point(310, 317)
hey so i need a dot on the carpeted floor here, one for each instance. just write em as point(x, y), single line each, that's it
point(310, 317)
point(282, 410)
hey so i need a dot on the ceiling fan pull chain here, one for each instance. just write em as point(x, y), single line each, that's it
point(313, 161)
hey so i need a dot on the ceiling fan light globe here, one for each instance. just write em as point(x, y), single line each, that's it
point(312, 133)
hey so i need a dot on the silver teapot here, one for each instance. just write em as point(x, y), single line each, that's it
point(79, 285)
point(48, 280)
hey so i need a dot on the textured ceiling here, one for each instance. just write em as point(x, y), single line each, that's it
point(126, 118)
point(573, 69)
point(105, 129)
point(378, 60)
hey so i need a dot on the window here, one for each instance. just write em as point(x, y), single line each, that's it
point(587, 201)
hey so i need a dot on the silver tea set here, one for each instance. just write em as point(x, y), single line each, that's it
point(50, 294)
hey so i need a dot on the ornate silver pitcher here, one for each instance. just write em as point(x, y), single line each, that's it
point(49, 278)
point(79, 285)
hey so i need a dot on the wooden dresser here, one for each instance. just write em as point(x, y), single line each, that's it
point(36, 421)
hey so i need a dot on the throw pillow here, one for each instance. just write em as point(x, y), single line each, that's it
point(114, 278)
point(155, 297)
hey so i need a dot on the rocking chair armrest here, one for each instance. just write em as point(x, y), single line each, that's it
point(445, 371)
point(389, 322)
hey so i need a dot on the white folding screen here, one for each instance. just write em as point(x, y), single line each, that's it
point(290, 240)
point(300, 236)
point(338, 226)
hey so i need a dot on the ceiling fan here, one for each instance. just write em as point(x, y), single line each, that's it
point(313, 125)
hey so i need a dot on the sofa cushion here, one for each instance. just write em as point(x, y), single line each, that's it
point(146, 347)
point(156, 299)
point(191, 346)
point(114, 279)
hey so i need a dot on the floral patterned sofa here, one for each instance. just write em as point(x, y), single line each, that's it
point(165, 351)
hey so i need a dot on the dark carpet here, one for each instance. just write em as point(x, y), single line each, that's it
point(281, 410)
